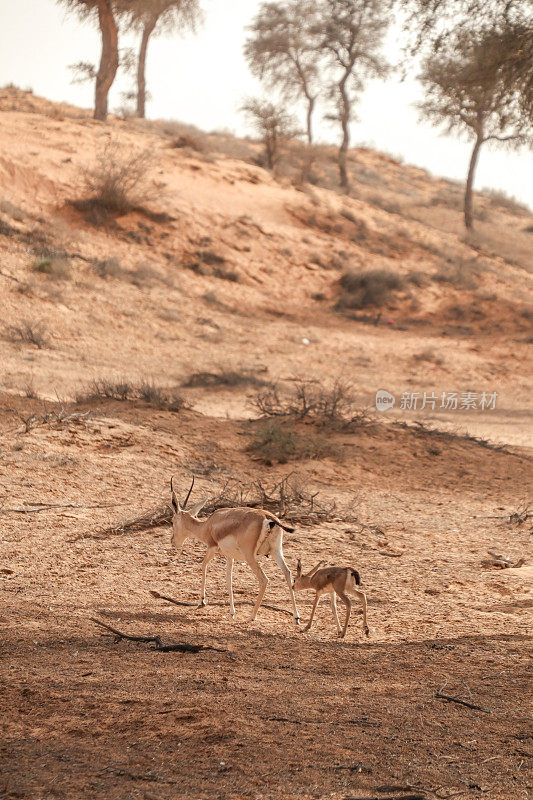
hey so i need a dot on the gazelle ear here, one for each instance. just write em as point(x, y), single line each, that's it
point(299, 567)
point(197, 506)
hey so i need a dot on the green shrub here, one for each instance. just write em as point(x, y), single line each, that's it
point(277, 443)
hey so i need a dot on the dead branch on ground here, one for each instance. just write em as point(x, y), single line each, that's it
point(457, 699)
point(502, 562)
point(157, 641)
point(521, 514)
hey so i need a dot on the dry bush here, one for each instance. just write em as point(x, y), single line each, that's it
point(273, 124)
point(454, 199)
point(330, 407)
point(142, 275)
point(390, 206)
point(501, 199)
point(107, 268)
point(278, 442)
point(462, 273)
point(116, 184)
point(210, 258)
point(226, 274)
point(372, 288)
point(291, 499)
point(29, 390)
point(55, 268)
point(186, 140)
point(224, 377)
point(29, 332)
point(155, 396)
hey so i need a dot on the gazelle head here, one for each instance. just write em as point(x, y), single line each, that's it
point(296, 584)
point(302, 581)
point(181, 519)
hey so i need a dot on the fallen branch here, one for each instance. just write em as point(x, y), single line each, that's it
point(390, 797)
point(521, 513)
point(238, 603)
point(164, 648)
point(502, 562)
point(457, 699)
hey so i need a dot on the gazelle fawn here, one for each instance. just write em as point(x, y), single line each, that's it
point(244, 534)
point(333, 581)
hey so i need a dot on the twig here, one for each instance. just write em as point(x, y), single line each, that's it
point(164, 648)
point(451, 699)
point(238, 603)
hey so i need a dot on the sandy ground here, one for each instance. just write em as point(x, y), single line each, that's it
point(272, 712)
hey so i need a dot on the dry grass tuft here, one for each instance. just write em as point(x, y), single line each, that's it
point(123, 390)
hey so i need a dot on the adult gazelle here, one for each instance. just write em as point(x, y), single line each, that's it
point(245, 534)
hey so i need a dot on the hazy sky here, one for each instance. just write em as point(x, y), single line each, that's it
point(203, 79)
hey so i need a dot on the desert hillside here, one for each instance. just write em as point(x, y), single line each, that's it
point(235, 325)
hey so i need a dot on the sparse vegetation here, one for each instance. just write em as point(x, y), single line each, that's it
point(54, 267)
point(331, 406)
point(30, 332)
point(278, 442)
point(501, 199)
point(107, 268)
point(224, 378)
point(372, 288)
point(116, 184)
point(273, 124)
point(461, 273)
point(123, 390)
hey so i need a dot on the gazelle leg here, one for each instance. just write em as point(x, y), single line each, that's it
point(263, 583)
point(209, 555)
point(315, 603)
point(333, 599)
point(348, 603)
point(229, 581)
point(362, 597)
point(278, 555)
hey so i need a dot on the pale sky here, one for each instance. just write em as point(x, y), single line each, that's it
point(203, 79)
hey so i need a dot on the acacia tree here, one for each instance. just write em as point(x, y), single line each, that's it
point(153, 17)
point(352, 35)
point(429, 25)
point(470, 88)
point(283, 51)
point(104, 10)
point(272, 123)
